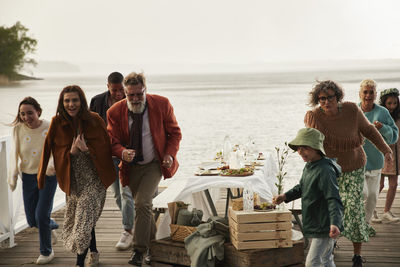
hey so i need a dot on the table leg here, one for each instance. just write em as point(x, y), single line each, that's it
point(210, 202)
point(228, 196)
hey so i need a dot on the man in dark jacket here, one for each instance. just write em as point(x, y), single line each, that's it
point(319, 192)
point(123, 195)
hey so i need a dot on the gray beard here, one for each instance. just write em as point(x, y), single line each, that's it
point(137, 109)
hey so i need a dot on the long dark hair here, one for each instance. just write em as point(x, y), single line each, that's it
point(396, 112)
point(27, 101)
point(83, 111)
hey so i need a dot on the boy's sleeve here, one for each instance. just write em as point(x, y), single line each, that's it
point(329, 186)
point(293, 193)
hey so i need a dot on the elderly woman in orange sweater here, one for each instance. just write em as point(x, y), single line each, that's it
point(345, 126)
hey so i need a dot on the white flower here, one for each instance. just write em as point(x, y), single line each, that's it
point(34, 152)
point(27, 138)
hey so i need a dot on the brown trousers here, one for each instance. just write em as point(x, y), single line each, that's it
point(143, 182)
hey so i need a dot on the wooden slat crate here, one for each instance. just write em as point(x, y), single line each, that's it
point(277, 257)
point(258, 230)
point(166, 252)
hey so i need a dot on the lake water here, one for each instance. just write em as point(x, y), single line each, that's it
point(269, 107)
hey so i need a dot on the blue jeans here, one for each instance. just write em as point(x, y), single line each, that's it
point(38, 205)
point(320, 253)
point(124, 199)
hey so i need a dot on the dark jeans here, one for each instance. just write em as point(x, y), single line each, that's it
point(38, 205)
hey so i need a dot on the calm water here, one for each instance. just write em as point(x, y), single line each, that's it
point(269, 107)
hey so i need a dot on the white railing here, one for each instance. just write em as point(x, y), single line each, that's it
point(12, 215)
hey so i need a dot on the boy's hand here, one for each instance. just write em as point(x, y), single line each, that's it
point(334, 232)
point(278, 199)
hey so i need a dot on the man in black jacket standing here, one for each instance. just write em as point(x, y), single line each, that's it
point(123, 196)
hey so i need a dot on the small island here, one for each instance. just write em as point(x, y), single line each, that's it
point(15, 45)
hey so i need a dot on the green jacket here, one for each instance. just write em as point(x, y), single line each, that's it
point(320, 200)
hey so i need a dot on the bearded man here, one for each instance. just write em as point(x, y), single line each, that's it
point(145, 136)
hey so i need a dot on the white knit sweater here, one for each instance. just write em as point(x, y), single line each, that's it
point(27, 150)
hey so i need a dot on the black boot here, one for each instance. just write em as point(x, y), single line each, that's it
point(358, 261)
point(136, 259)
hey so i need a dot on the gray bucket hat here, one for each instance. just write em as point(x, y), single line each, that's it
point(309, 137)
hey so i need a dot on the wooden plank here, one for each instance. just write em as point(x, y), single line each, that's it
point(381, 251)
point(261, 244)
point(168, 251)
point(253, 227)
point(264, 257)
point(254, 217)
point(262, 235)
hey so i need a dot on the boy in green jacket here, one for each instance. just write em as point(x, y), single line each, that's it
point(319, 192)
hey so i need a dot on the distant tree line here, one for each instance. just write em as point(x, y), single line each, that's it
point(15, 45)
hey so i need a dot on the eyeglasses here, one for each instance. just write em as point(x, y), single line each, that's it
point(138, 95)
point(324, 98)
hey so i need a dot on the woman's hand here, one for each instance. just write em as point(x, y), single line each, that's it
point(78, 144)
point(378, 125)
point(81, 143)
point(389, 157)
point(278, 199)
point(74, 147)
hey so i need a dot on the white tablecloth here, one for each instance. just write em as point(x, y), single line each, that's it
point(190, 190)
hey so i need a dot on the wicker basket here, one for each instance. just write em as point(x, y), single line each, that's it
point(180, 232)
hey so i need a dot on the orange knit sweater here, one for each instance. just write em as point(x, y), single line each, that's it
point(344, 135)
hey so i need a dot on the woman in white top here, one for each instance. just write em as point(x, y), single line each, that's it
point(29, 134)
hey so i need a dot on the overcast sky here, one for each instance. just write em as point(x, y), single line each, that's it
point(207, 31)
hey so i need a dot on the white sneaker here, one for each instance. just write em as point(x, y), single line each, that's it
point(375, 218)
point(388, 216)
point(125, 241)
point(53, 237)
point(45, 259)
point(93, 260)
point(147, 258)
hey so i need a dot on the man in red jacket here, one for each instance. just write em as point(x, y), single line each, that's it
point(145, 136)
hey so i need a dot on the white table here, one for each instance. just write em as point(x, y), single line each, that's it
point(193, 190)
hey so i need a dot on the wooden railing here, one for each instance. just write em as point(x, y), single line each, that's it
point(12, 215)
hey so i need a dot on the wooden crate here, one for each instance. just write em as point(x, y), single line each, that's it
point(277, 257)
point(165, 252)
point(258, 230)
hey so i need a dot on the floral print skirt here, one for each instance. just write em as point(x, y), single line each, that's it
point(84, 205)
point(351, 192)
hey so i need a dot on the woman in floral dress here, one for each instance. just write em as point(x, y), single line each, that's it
point(82, 156)
point(345, 126)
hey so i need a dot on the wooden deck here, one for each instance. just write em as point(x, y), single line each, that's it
point(381, 251)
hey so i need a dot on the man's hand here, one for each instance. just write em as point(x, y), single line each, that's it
point(128, 155)
point(167, 161)
point(278, 199)
point(334, 232)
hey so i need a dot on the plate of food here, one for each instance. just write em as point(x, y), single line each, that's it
point(261, 156)
point(264, 207)
point(237, 172)
point(209, 165)
point(207, 172)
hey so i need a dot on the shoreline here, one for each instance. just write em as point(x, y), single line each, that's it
point(5, 80)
